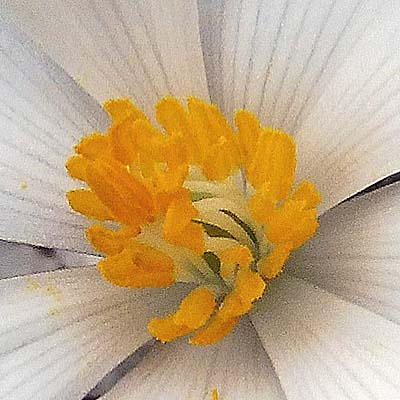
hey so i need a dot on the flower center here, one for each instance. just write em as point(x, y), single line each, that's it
point(197, 202)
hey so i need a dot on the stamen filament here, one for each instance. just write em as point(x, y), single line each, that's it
point(247, 228)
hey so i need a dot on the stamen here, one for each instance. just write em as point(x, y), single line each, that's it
point(179, 227)
point(233, 258)
point(88, 203)
point(192, 200)
point(272, 264)
point(94, 146)
point(193, 313)
point(110, 241)
point(76, 167)
point(121, 109)
point(138, 266)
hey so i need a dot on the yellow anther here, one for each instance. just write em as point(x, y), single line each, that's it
point(292, 223)
point(248, 287)
point(214, 331)
point(172, 116)
point(262, 204)
point(124, 142)
point(307, 192)
point(169, 180)
point(120, 109)
point(76, 167)
point(94, 146)
point(166, 330)
point(109, 241)
point(87, 202)
point(194, 312)
point(240, 255)
point(138, 266)
point(127, 198)
point(234, 257)
point(272, 264)
point(217, 157)
point(179, 229)
point(274, 162)
point(150, 142)
point(249, 133)
point(196, 308)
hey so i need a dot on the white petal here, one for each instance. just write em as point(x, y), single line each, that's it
point(324, 70)
point(70, 259)
point(356, 252)
point(237, 367)
point(61, 332)
point(142, 49)
point(19, 259)
point(211, 19)
point(325, 348)
point(43, 113)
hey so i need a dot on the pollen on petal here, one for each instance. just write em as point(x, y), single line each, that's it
point(214, 394)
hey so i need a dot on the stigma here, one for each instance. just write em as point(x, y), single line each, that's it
point(192, 199)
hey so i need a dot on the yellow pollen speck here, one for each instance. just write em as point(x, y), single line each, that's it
point(32, 285)
point(214, 394)
point(192, 199)
point(23, 186)
point(50, 291)
point(53, 312)
point(83, 77)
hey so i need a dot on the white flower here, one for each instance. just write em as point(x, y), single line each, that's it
point(326, 71)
